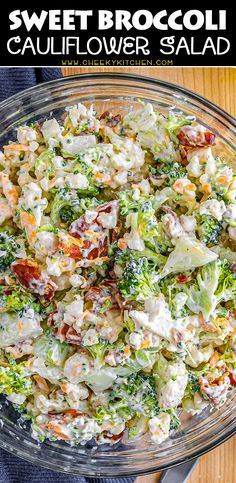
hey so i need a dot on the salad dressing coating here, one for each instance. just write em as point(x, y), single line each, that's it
point(118, 274)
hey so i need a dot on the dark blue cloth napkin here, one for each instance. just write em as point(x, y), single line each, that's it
point(13, 469)
point(16, 79)
point(16, 470)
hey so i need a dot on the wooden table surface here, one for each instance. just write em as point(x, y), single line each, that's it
point(218, 85)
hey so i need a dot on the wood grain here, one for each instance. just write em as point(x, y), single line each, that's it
point(218, 85)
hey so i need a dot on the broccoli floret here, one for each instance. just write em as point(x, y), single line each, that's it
point(8, 247)
point(124, 257)
point(226, 289)
point(216, 283)
point(16, 300)
point(128, 204)
point(209, 229)
point(193, 385)
point(98, 351)
point(173, 292)
point(68, 206)
point(169, 172)
point(70, 214)
point(174, 122)
point(13, 379)
point(201, 296)
point(139, 280)
point(142, 220)
point(138, 394)
point(174, 419)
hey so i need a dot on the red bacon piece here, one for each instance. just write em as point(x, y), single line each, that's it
point(70, 245)
point(192, 136)
point(181, 278)
point(93, 237)
point(28, 274)
point(110, 121)
point(107, 292)
point(110, 438)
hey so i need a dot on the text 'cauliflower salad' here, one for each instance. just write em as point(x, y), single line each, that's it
point(118, 274)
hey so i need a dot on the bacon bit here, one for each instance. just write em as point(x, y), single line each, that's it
point(73, 337)
point(111, 121)
point(70, 246)
point(208, 388)
point(232, 378)
point(97, 247)
point(43, 385)
point(112, 438)
point(104, 115)
point(28, 274)
point(67, 333)
point(181, 278)
point(191, 136)
point(105, 293)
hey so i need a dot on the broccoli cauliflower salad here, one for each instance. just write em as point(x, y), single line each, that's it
point(118, 274)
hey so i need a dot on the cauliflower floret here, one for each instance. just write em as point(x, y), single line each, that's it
point(57, 264)
point(110, 326)
point(50, 129)
point(157, 318)
point(44, 404)
point(141, 120)
point(77, 367)
point(159, 427)
point(188, 223)
point(76, 280)
point(172, 225)
point(108, 220)
point(213, 208)
point(16, 398)
point(26, 134)
point(76, 395)
point(135, 339)
point(31, 199)
point(46, 243)
point(76, 181)
point(74, 312)
point(75, 144)
point(171, 385)
point(134, 241)
point(230, 213)
point(201, 160)
point(83, 118)
point(186, 188)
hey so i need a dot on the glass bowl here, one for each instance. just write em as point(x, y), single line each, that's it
point(198, 434)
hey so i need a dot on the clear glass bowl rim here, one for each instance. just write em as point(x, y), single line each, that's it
point(226, 120)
